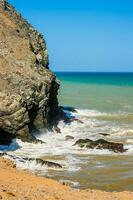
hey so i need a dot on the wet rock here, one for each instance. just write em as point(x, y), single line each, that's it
point(5, 138)
point(77, 120)
point(57, 129)
point(2, 154)
point(71, 119)
point(68, 108)
point(64, 116)
point(69, 137)
point(104, 134)
point(60, 115)
point(44, 162)
point(28, 89)
point(38, 160)
point(68, 120)
point(37, 141)
point(101, 144)
point(48, 163)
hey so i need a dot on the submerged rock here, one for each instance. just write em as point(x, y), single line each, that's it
point(48, 163)
point(28, 89)
point(69, 137)
point(101, 144)
point(104, 134)
point(57, 129)
point(38, 161)
point(68, 108)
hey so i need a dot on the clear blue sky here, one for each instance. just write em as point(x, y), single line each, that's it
point(84, 35)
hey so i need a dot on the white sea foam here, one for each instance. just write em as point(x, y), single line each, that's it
point(56, 146)
point(28, 165)
point(130, 141)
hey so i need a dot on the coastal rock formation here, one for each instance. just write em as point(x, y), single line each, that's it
point(28, 89)
point(101, 144)
point(40, 161)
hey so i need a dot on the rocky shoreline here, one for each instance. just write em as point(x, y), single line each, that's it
point(28, 102)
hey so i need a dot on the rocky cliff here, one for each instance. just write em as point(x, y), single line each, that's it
point(28, 89)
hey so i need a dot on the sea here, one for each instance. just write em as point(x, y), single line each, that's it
point(104, 104)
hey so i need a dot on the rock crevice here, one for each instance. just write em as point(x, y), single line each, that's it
point(28, 89)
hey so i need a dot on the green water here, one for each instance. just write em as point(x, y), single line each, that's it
point(99, 91)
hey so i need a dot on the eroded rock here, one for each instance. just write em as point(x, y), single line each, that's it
point(28, 89)
point(101, 144)
point(48, 163)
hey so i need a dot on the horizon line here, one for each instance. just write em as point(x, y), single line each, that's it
point(93, 71)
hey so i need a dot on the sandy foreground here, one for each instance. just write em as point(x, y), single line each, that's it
point(21, 185)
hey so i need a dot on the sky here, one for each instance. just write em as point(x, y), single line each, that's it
point(84, 35)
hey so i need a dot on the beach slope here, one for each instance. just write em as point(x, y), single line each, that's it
point(17, 184)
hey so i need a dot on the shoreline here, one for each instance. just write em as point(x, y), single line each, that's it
point(19, 184)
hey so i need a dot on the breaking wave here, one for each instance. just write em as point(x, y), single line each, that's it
point(95, 125)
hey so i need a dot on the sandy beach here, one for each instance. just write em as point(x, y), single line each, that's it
point(16, 184)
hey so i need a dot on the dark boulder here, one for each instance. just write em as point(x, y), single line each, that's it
point(101, 144)
point(45, 162)
point(69, 137)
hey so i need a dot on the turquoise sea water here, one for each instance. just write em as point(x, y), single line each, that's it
point(100, 91)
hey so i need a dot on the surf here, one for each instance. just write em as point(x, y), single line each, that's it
point(73, 159)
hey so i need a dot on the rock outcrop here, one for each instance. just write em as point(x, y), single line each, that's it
point(28, 89)
point(101, 144)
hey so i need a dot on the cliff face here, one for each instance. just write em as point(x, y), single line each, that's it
point(28, 89)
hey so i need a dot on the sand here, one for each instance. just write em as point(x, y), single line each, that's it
point(16, 184)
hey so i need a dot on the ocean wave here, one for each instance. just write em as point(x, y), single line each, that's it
point(119, 115)
point(57, 149)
